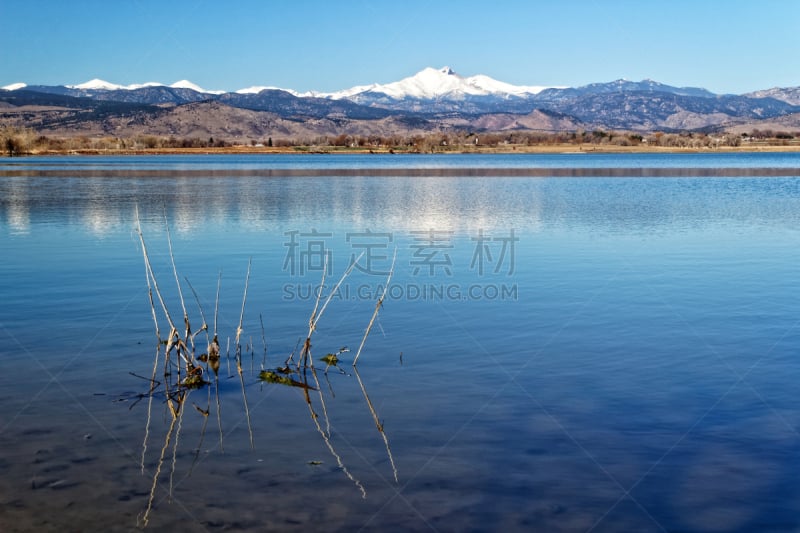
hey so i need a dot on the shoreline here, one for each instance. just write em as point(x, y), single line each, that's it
point(477, 150)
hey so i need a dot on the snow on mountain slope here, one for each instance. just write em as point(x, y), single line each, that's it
point(97, 84)
point(14, 86)
point(186, 84)
point(258, 88)
point(428, 84)
point(102, 85)
point(431, 83)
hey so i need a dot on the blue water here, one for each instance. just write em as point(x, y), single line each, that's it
point(350, 161)
point(554, 353)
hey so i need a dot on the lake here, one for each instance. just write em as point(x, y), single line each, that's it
point(575, 342)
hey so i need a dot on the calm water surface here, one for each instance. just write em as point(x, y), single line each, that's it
point(554, 353)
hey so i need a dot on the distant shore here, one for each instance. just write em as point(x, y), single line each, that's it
point(566, 148)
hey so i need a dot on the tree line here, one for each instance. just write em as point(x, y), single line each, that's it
point(21, 141)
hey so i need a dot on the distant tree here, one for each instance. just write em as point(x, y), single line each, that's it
point(16, 141)
point(269, 142)
point(733, 140)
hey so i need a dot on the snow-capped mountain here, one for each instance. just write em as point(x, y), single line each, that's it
point(428, 84)
point(97, 84)
point(430, 90)
point(440, 90)
point(431, 83)
point(258, 88)
point(186, 84)
point(14, 86)
point(443, 95)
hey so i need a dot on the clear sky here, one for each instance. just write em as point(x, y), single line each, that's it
point(729, 46)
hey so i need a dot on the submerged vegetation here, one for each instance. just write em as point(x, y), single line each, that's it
point(190, 365)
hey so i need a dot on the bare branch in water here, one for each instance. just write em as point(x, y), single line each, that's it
point(204, 327)
point(264, 341)
point(244, 300)
point(305, 356)
point(327, 440)
point(239, 355)
point(178, 283)
point(378, 424)
point(377, 308)
point(179, 353)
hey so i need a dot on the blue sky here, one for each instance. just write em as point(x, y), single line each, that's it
point(725, 46)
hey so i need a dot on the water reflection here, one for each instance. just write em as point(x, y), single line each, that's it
point(368, 202)
point(17, 206)
point(417, 172)
point(186, 373)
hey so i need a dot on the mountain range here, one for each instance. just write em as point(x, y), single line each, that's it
point(431, 100)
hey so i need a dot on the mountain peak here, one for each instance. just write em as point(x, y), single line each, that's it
point(431, 83)
point(186, 84)
point(96, 83)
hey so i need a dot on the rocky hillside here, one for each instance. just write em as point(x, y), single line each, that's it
point(430, 101)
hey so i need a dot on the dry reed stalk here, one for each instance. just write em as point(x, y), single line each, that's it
point(244, 398)
point(147, 276)
point(244, 299)
point(219, 412)
point(184, 397)
point(305, 355)
point(239, 357)
point(157, 474)
point(182, 347)
point(148, 272)
point(216, 302)
point(312, 318)
point(322, 402)
point(264, 341)
point(174, 341)
point(378, 306)
point(152, 278)
point(329, 445)
point(204, 327)
point(291, 355)
point(213, 361)
point(205, 414)
point(150, 405)
point(336, 288)
point(378, 424)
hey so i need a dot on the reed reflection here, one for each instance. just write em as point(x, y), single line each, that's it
point(186, 373)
